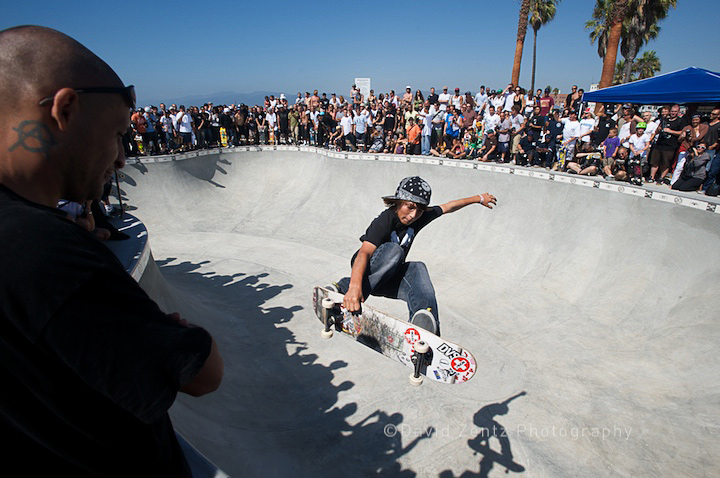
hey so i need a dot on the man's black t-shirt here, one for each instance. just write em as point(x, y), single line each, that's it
point(526, 144)
point(88, 362)
point(537, 122)
point(389, 122)
point(711, 137)
point(433, 98)
point(605, 124)
point(667, 141)
point(555, 128)
point(226, 121)
point(388, 228)
point(328, 121)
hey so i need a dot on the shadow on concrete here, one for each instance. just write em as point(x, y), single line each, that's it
point(488, 427)
point(203, 168)
point(277, 412)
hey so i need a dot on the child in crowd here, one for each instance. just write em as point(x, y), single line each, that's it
point(609, 148)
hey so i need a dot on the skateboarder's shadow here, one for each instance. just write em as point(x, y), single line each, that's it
point(484, 421)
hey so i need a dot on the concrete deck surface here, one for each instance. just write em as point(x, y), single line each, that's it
point(593, 316)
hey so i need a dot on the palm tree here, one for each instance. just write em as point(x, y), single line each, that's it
point(647, 65)
point(541, 13)
point(641, 27)
point(520, 42)
point(615, 26)
point(600, 25)
point(618, 76)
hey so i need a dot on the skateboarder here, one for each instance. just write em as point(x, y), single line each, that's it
point(379, 267)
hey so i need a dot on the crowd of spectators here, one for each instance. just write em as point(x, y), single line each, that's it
point(512, 125)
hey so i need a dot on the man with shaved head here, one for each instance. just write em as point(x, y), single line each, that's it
point(86, 380)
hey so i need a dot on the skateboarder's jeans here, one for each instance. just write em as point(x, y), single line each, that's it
point(388, 275)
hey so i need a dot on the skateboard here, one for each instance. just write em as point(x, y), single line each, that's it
point(562, 153)
point(223, 137)
point(429, 355)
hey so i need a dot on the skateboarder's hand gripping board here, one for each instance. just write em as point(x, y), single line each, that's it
point(354, 296)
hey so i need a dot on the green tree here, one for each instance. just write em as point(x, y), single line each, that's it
point(647, 65)
point(520, 41)
point(620, 73)
point(641, 26)
point(614, 27)
point(541, 13)
point(644, 67)
point(600, 25)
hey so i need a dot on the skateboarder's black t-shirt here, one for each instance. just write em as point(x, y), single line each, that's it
point(388, 228)
point(89, 364)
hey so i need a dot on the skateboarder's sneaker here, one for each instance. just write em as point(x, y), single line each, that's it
point(425, 319)
point(334, 287)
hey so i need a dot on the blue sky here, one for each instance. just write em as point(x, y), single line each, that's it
point(195, 48)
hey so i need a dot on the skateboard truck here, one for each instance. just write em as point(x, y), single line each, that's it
point(327, 306)
point(419, 360)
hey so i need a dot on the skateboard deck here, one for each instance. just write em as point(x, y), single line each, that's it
point(397, 339)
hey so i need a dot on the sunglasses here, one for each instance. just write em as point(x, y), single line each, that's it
point(127, 92)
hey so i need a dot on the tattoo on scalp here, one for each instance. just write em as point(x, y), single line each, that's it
point(33, 136)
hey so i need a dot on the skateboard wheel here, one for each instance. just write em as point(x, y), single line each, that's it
point(328, 303)
point(326, 334)
point(416, 381)
point(421, 347)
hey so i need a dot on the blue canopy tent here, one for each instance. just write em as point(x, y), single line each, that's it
point(690, 85)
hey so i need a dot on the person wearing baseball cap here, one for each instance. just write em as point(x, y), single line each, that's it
point(379, 267)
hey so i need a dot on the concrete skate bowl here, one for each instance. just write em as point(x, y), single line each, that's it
point(592, 314)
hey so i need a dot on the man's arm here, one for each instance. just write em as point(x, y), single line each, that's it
point(354, 296)
point(209, 377)
point(486, 199)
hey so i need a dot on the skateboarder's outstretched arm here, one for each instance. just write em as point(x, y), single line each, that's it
point(354, 296)
point(486, 199)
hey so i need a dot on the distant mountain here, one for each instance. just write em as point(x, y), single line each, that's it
point(219, 98)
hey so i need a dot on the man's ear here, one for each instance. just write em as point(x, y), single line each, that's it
point(65, 107)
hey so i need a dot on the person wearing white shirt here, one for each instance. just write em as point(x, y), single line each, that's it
point(498, 102)
point(651, 125)
point(624, 134)
point(347, 126)
point(457, 100)
point(508, 97)
point(426, 116)
point(639, 141)
point(571, 133)
point(481, 99)
point(518, 122)
point(183, 124)
point(587, 125)
point(360, 127)
point(271, 119)
point(444, 99)
point(491, 120)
